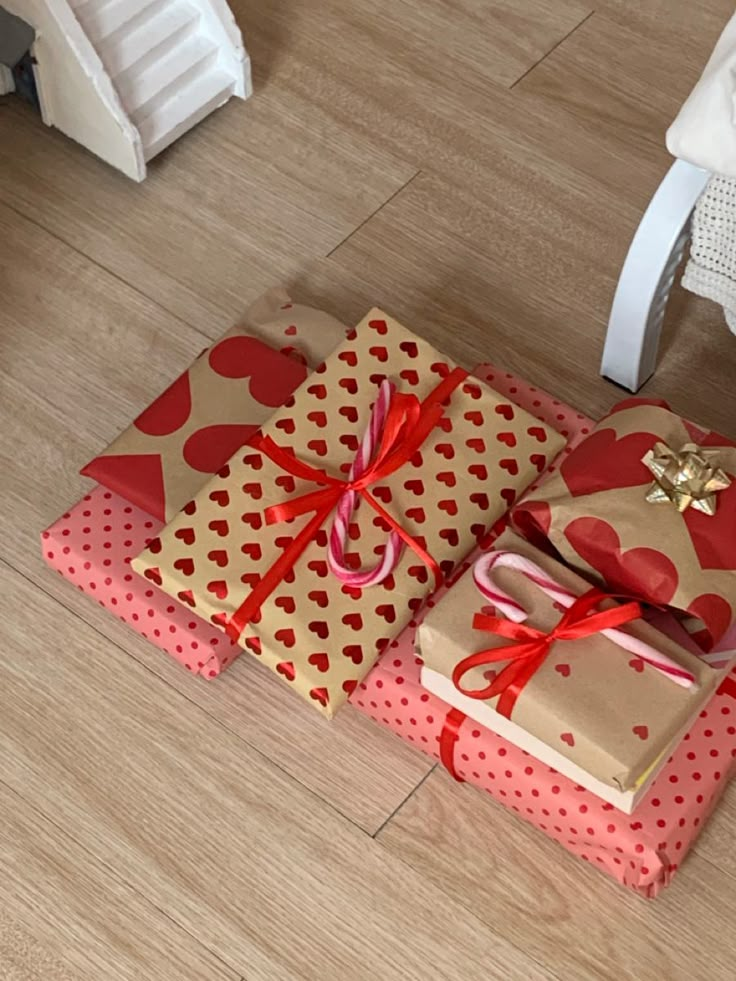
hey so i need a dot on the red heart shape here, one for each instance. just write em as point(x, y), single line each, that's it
point(449, 506)
point(320, 695)
point(447, 477)
point(287, 426)
point(640, 571)
point(320, 661)
point(539, 461)
point(272, 376)
point(318, 566)
point(220, 497)
point(187, 596)
point(415, 486)
point(220, 527)
point(349, 685)
point(348, 439)
point(440, 368)
point(641, 731)
point(219, 588)
point(350, 412)
point(318, 418)
point(207, 449)
point(319, 391)
point(473, 390)
point(563, 669)
point(383, 494)
point(318, 446)
point(154, 546)
point(252, 518)
point(447, 450)
point(510, 466)
point(475, 417)
point(538, 433)
point(481, 499)
point(285, 635)
point(409, 348)
point(286, 482)
point(353, 620)
point(286, 668)
point(349, 357)
point(252, 550)
point(170, 410)
point(320, 628)
point(185, 566)
point(318, 596)
point(285, 603)
point(445, 424)
point(637, 664)
point(410, 376)
point(379, 353)
point(154, 575)
point(716, 614)
point(254, 460)
point(250, 579)
point(478, 470)
point(477, 444)
point(508, 439)
point(222, 620)
point(219, 556)
point(509, 495)
point(185, 535)
point(505, 410)
point(377, 379)
point(387, 611)
point(417, 459)
point(567, 737)
point(349, 384)
point(418, 572)
point(190, 508)
point(380, 326)
point(354, 652)
point(253, 490)
point(450, 535)
point(604, 462)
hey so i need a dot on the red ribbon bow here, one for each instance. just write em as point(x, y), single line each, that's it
point(408, 423)
point(532, 646)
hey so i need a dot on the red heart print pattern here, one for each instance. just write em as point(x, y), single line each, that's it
point(286, 669)
point(319, 391)
point(318, 446)
point(410, 376)
point(190, 508)
point(447, 477)
point(478, 470)
point(509, 465)
point(287, 426)
point(350, 440)
point(220, 497)
point(409, 348)
point(350, 385)
point(286, 482)
point(380, 326)
point(320, 661)
point(219, 588)
point(379, 353)
point(481, 499)
point(184, 566)
point(382, 494)
point(508, 439)
point(474, 417)
point(449, 506)
point(207, 449)
point(476, 444)
point(538, 433)
point(387, 611)
point(252, 550)
point(416, 487)
point(154, 546)
point(353, 620)
point(349, 357)
point(254, 460)
point(320, 628)
point(285, 636)
point(473, 390)
point(186, 535)
point(567, 737)
point(505, 410)
point(253, 490)
point(354, 652)
point(271, 377)
point(319, 567)
point(250, 579)
point(509, 496)
point(713, 537)
point(350, 412)
point(154, 575)
point(320, 695)
point(251, 518)
point(285, 603)
point(605, 462)
point(637, 664)
point(716, 614)
point(318, 596)
point(640, 571)
point(319, 418)
point(451, 536)
point(187, 596)
point(539, 461)
point(641, 731)
point(563, 669)
point(447, 450)
point(440, 368)
point(170, 410)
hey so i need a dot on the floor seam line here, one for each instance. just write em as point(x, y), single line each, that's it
point(551, 50)
point(401, 803)
point(373, 214)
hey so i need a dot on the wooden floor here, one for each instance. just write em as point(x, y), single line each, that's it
point(477, 168)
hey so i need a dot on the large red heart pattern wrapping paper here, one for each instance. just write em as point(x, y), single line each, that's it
point(320, 636)
point(595, 514)
point(176, 444)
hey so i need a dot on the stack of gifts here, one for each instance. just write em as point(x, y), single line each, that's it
point(348, 527)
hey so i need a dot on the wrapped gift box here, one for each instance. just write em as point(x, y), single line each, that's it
point(92, 546)
point(220, 556)
point(589, 702)
point(173, 447)
point(596, 514)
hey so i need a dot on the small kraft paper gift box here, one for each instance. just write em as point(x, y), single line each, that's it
point(647, 505)
point(524, 646)
point(273, 550)
point(216, 405)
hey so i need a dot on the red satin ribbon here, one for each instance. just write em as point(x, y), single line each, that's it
point(728, 686)
point(408, 423)
point(532, 646)
point(448, 737)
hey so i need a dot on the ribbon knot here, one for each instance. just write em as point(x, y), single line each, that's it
point(392, 442)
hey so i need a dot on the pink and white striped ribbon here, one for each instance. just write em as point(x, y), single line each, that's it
point(345, 509)
point(512, 610)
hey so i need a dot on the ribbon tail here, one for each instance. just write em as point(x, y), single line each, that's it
point(448, 737)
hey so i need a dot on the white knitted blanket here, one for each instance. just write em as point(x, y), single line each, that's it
point(711, 268)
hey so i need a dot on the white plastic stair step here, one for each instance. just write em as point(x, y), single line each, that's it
point(184, 109)
point(153, 25)
point(151, 81)
point(100, 18)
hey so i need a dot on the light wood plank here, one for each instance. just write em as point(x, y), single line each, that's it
point(65, 916)
point(563, 912)
point(232, 850)
point(716, 842)
point(62, 398)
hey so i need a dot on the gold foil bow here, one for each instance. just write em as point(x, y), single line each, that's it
point(688, 478)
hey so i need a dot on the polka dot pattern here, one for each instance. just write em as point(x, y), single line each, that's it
point(643, 850)
point(92, 546)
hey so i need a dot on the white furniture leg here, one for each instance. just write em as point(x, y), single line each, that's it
point(632, 339)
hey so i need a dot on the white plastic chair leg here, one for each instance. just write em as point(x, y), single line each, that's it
point(632, 338)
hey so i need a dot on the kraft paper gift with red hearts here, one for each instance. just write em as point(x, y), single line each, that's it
point(214, 407)
point(589, 701)
point(319, 634)
point(595, 512)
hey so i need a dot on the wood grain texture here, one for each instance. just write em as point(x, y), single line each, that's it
point(62, 399)
point(231, 849)
point(65, 916)
point(478, 168)
point(562, 911)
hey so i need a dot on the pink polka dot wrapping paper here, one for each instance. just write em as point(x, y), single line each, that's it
point(642, 850)
point(92, 546)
